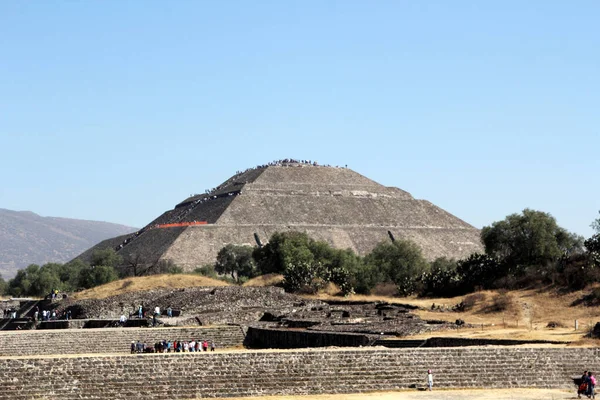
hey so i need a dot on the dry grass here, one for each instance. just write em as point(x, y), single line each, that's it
point(526, 317)
point(139, 283)
point(265, 280)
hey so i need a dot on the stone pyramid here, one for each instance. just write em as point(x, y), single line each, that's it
point(333, 204)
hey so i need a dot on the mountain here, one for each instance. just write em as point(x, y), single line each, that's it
point(27, 238)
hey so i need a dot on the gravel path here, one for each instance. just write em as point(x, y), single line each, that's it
point(497, 394)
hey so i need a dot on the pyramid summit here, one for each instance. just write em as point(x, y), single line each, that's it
point(334, 204)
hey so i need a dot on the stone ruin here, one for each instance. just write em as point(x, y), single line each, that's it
point(103, 369)
point(266, 307)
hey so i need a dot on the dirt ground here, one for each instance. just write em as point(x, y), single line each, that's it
point(496, 394)
point(152, 282)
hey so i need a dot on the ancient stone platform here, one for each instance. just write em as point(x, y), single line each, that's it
point(109, 340)
point(228, 374)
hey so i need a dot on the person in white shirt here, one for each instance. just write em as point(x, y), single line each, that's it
point(429, 380)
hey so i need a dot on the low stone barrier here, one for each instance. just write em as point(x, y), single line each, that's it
point(459, 342)
point(260, 373)
point(109, 340)
point(272, 338)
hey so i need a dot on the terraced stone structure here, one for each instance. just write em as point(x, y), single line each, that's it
point(228, 374)
point(109, 340)
point(333, 204)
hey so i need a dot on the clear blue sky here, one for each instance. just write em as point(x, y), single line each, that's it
point(117, 110)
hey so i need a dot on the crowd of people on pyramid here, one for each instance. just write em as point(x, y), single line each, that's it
point(175, 346)
point(286, 162)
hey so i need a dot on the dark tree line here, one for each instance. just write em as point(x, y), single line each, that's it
point(39, 281)
point(524, 249)
point(105, 266)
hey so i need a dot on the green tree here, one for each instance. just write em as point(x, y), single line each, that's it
point(401, 262)
point(236, 261)
point(283, 247)
point(303, 277)
point(3, 286)
point(36, 281)
point(596, 224)
point(532, 238)
point(97, 275)
point(107, 257)
point(478, 271)
point(364, 277)
point(442, 279)
point(45, 280)
point(305, 263)
point(592, 246)
point(69, 274)
point(340, 268)
point(20, 285)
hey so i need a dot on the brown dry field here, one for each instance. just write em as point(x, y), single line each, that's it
point(265, 280)
point(495, 394)
point(135, 284)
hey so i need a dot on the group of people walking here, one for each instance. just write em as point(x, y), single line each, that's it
point(176, 346)
point(587, 385)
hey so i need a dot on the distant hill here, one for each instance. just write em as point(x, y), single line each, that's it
point(27, 238)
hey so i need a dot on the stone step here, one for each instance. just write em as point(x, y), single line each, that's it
point(109, 340)
point(191, 375)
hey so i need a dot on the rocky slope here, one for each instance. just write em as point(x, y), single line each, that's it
point(27, 238)
point(260, 306)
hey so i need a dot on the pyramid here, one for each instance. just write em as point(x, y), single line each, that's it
point(333, 204)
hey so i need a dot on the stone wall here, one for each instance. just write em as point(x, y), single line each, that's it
point(462, 342)
point(228, 374)
point(270, 338)
point(109, 340)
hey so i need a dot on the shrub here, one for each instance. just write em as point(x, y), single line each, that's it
point(207, 270)
point(501, 302)
point(401, 262)
point(555, 324)
point(442, 280)
point(385, 289)
point(237, 262)
point(366, 278)
point(472, 300)
point(97, 275)
point(303, 277)
point(576, 272)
